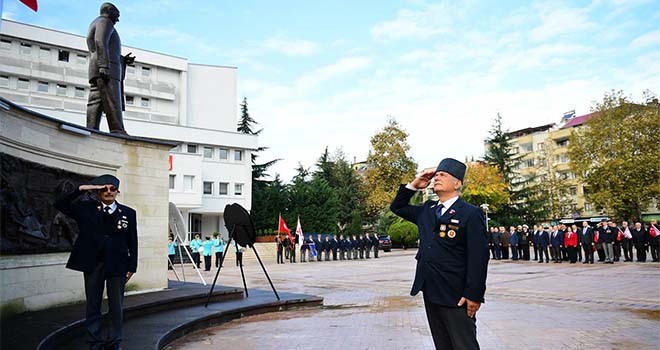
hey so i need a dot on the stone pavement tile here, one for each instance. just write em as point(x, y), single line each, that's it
point(528, 306)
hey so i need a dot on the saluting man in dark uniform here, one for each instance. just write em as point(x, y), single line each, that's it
point(452, 260)
point(106, 251)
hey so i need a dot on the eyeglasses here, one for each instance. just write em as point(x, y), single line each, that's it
point(110, 188)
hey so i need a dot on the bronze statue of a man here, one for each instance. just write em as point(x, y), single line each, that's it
point(106, 71)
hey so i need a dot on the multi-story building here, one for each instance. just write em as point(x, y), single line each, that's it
point(166, 98)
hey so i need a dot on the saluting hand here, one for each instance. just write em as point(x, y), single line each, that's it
point(472, 306)
point(91, 187)
point(424, 178)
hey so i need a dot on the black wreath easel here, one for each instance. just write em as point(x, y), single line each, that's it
point(241, 229)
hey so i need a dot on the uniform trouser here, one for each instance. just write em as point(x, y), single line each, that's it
point(361, 253)
point(292, 255)
point(218, 257)
point(349, 253)
point(588, 252)
point(525, 252)
point(207, 262)
point(286, 253)
point(655, 252)
point(536, 253)
point(491, 247)
point(342, 254)
point(572, 254)
point(543, 250)
point(355, 253)
point(195, 257)
point(451, 327)
point(105, 96)
point(319, 255)
point(641, 253)
point(367, 252)
point(239, 258)
point(564, 253)
point(600, 251)
point(334, 254)
point(498, 251)
point(628, 249)
point(514, 252)
point(616, 247)
point(505, 252)
point(609, 251)
point(375, 251)
point(94, 297)
point(280, 258)
point(303, 254)
point(327, 255)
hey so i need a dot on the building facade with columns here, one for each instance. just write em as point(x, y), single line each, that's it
point(167, 98)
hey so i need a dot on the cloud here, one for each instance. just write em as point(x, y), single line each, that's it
point(417, 24)
point(558, 21)
point(291, 47)
point(648, 39)
point(343, 66)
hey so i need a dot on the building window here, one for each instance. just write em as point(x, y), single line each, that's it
point(61, 89)
point(42, 86)
point(238, 189)
point(79, 92)
point(540, 146)
point(528, 163)
point(526, 147)
point(26, 49)
point(5, 44)
point(130, 100)
point(223, 188)
point(146, 71)
point(208, 187)
point(144, 102)
point(562, 143)
point(238, 155)
point(588, 207)
point(172, 181)
point(130, 69)
point(4, 81)
point(81, 59)
point(572, 191)
point(561, 158)
point(63, 56)
point(23, 84)
point(188, 181)
point(224, 154)
point(195, 224)
point(44, 52)
point(208, 152)
point(514, 150)
point(192, 148)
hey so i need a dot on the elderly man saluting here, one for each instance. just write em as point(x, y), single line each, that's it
point(452, 260)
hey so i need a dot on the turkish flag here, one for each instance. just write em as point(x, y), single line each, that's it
point(653, 231)
point(283, 228)
point(31, 4)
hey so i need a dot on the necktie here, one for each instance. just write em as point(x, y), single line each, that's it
point(106, 210)
point(438, 210)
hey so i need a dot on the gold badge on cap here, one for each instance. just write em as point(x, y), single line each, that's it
point(451, 233)
point(442, 234)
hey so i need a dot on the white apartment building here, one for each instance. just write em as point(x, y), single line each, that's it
point(166, 98)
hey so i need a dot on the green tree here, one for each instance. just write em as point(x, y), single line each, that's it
point(403, 233)
point(267, 202)
point(484, 184)
point(617, 154)
point(389, 166)
point(314, 201)
point(245, 126)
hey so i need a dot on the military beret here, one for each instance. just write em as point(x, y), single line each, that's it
point(453, 167)
point(106, 179)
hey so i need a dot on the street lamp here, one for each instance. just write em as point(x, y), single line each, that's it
point(485, 208)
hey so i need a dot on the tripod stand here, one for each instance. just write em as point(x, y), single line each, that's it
point(241, 231)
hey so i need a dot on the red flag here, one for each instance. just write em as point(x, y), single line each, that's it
point(653, 231)
point(619, 235)
point(283, 228)
point(31, 4)
point(596, 237)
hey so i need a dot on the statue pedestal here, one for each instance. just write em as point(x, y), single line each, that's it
point(37, 153)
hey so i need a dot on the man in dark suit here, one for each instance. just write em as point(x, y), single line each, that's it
point(588, 243)
point(106, 71)
point(106, 251)
point(543, 243)
point(452, 260)
point(640, 239)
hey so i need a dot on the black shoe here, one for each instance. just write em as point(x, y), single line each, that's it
point(540, 261)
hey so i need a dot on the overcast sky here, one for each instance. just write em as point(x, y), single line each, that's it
point(328, 73)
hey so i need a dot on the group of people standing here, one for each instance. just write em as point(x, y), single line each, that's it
point(321, 248)
point(199, 248)
point(572, 243)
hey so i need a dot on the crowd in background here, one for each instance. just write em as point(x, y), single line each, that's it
point(571, 243)
point(320, 248)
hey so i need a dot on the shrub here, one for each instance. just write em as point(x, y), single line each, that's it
point(403, 233)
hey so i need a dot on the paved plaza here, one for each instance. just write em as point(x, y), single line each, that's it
point(367, 306)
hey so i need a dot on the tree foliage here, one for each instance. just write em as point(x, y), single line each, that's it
point(268, 200)
point(617, 154)
point(389, 166)
point(403, 233)
point(484, 184)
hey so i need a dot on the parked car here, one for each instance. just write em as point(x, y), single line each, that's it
point(385, 243)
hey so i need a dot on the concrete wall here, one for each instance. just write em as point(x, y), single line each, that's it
point(31, 282)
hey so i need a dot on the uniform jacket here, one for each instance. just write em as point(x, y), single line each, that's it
point(544, 239)
point(497, 237)
point(640, 238)
point(452, 259)
point(524, 238)
point(111, 239)
point(607, 234)
point(104, 48)
point(587, 237)
point(514, 238)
